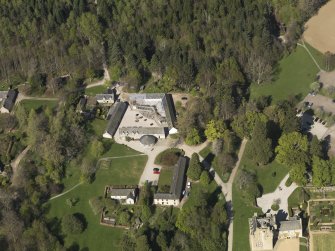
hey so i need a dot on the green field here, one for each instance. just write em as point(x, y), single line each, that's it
point(95, 90)
point(294, 75)
point(324, 242)
point(36, 104)
point(121, 171)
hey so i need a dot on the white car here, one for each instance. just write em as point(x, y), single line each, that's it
point(188, 185)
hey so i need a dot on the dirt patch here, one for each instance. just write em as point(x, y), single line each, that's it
point(320, 32)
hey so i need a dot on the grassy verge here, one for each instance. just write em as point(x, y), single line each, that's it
point(294, 75)
point(116, 172)
point(29, 104)
point(303, 245)
point(242, 211)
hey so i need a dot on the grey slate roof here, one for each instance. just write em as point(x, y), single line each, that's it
point(169, 110)
point(10, 100)
point(177, 181)
point(290, 225)
point(116, 114)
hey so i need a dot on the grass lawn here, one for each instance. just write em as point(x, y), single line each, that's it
point(99, 126)
point(117, 150)
point(319, 57)
point(36, 104)
point(165, 177)
point(295, 74)
point(242, 211)
point(265, 174)
point(95, 90)
point(303, 245)
point(116, 172)
point(324, 242)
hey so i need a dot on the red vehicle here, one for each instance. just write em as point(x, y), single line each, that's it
point(156, 170)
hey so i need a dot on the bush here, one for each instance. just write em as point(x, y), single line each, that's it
point(71, 202)
point(205, 179)
point(193, 137)
point(71, 224)
point(288, 182)
point(195, 169)
point(169, 157)
point(275, 207)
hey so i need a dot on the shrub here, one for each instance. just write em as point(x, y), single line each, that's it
point(195, 169)
point(193, 137)
point(71, 202)
point(275, 207)
point(205, 179)
point(71, 224)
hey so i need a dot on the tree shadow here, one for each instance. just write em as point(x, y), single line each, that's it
point(213, 198)
point(82, 218)
point(209, 159)
point(74, 247)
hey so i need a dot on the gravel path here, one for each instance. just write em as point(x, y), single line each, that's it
point(282, 194)
point(15, 165)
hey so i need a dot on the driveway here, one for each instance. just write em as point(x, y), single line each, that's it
point(266, 201)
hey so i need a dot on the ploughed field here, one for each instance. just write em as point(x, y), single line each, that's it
point(320, 29)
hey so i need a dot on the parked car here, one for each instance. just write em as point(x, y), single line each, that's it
point(157, 172)
point(156, 169)
point(184, 98)
point(188, 185)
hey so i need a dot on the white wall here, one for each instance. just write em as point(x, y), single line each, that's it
point(166, 202)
